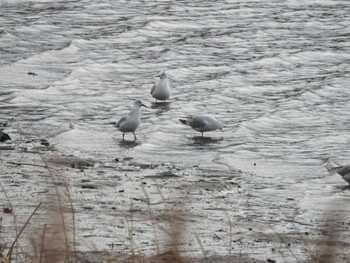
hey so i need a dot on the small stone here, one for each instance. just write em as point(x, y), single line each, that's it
point(44, 142)
point(7, 210)
point(32, 73)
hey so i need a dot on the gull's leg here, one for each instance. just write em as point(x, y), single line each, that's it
point(202, 134)
point(123, 135)
point(135, 138)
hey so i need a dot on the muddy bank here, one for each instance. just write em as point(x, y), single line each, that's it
point(123, 206)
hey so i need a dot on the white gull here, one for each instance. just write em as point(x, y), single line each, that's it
point(202, 123)
point(131, 121)
point(160, 90)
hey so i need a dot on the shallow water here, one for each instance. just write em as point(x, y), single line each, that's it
point(275, 72)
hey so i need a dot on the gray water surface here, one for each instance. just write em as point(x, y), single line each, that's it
point(275, 72)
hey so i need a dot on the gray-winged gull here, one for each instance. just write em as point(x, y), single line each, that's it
point(131, 121)
point(160, 90)
point(202, 123)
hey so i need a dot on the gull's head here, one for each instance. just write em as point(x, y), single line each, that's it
point(140, 103)
point(161, 75)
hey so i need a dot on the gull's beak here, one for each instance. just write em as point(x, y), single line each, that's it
point(144, 105)
point(157, 76)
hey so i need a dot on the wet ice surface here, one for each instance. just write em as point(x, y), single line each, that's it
point(275, 73)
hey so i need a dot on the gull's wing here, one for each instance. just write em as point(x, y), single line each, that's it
point(197, 123)
point(120, 121)
point(153, 88)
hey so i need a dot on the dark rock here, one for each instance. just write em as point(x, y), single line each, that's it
point(44, 142)
point(4, 136)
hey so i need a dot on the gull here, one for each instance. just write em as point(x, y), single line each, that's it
point(344, 171)
point(4, 136)
point(202, 123)
point(160, 90)
point(131, 121)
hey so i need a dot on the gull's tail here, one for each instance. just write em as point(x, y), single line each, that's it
point(184, 122)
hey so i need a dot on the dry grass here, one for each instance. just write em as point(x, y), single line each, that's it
point(52, 242)
point(174, 220)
